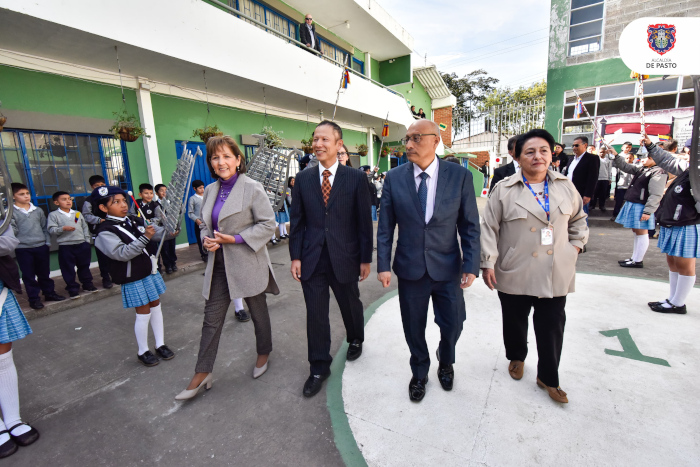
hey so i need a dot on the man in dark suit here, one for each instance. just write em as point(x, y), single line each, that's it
point(507, 170)
point(307, 34)
point(582, 169)
point(433, 203)
point(330, 245)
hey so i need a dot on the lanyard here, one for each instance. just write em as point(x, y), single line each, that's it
point(546, 196)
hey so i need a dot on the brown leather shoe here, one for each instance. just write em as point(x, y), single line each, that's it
point(516, 368)
point(555, 393)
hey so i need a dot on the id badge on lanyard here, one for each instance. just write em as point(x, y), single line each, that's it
point(547, 233)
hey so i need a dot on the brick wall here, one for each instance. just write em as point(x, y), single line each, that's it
point(444, 116)
point(481, 157)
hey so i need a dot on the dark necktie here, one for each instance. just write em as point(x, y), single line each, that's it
point(423, 192)
point(326, 186)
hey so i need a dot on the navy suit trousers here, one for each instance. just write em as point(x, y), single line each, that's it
point(70, 257)
point(35, 266)
point(450, 313)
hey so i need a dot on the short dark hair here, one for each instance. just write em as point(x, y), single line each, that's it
point(534, 133)
point(159, 186)
point(17, 187)
point(58, 194)
point(145, 186)
point(96, 179)
point(336, 129)
point(103, 202)
point(451, 159)
point(559, 144)
point(197, 183)
point(626, 143)
point(511, 142)
point(215, 143)
point(671, 145)
point(584, 139)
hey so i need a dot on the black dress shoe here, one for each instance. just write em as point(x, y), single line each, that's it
point(27, 438)
point(9, 447)
point(165, 353)
point(446, 376)
point(416, 389)
point(632, 264)
point(242, 316)
point(148, 358)
point(89, 288)
point(622, 261)
point(354, 350)
point(107, 284)
point(36, 304)
point(53, 297)
point(651, 304)
point(680, 310)
point(314, 383)
point(174, 268)
point(168, 271)
point(205, 258)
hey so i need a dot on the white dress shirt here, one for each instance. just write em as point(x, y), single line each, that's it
point(333, 168)
point(572, 166)
point(26, 211)
point(431, 182)
point(312, 36)
point(70, 213)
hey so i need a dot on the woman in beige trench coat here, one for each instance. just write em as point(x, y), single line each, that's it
point(532, 231)
point(237, 224)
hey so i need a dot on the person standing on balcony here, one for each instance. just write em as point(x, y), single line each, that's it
point(307, 34)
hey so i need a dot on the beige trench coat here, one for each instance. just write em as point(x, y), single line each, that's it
point(511, 237)
point(246, 212)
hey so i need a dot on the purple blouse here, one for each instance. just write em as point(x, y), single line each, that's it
point(221, 197)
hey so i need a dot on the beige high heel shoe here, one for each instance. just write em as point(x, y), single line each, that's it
point(258, 372)
point(190, 393)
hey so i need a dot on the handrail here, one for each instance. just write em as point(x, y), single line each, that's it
point(301, 44)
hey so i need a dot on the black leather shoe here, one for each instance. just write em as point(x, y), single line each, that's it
point(36, 304)
point(9, 447)
point(148, 358)
point(680, 310)
point(165, 353)
point(446, 376)
point(53, 297)
point(89, 288)
point(107, 284)
point(652, 304)
point(632, 264)
point(174, 268)
point(168, 271)
point(622, 261)
point(416, 389)
point(354, 350)
point(242, 316)
point(205, 258)
point(314, 384)
point(27, 438)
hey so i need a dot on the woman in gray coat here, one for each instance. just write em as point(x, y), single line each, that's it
point(237, 224)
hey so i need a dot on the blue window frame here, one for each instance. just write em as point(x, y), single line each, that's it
point(53, 161)
point(333, 51)
point(263, 13)
point(358, 65)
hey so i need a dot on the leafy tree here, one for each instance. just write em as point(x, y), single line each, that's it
point(515, 114)
point(470, 91)
point(509, 96)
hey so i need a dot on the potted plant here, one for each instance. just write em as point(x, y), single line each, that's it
point(385, 151)
point(307, 146)
point(362, 149)
point(207, 132)
point(400, 150)
point(126, 127)
point(273, 139)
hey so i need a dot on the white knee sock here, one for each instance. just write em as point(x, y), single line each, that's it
point(641, 243)
point(238, 304)
point(141, 331)
point(683, 287)
point(673, 282)
point(283, 229)
point(157, 325)
point(9, 395)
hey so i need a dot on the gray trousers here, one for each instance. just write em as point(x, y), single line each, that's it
point(215, 314)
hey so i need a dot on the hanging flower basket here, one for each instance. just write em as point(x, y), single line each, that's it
point(273, 139)
point(207, 132)
point(3, 119)
point(362, 149)
point(385, 152)
point(307, 146)
point(126, 127)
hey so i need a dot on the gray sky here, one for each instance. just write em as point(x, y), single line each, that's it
point(507, 38)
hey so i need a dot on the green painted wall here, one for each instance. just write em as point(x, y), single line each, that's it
point(397, 72)
point(374, 71)
point(417, 96)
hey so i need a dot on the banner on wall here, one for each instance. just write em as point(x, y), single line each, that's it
point(618, 129)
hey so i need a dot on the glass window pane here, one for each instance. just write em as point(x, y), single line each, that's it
point(587, 14)
point(584, 46)
point(585, 30)
point(660, 102)
point(577, 127)
point(687, 82)
point(582, 3)
point(686, 99)
point(587, 95)
point(615, 107)
point(662, 85)
point(614, 92)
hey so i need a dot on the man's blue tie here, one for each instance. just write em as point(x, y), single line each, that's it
point(423, 192)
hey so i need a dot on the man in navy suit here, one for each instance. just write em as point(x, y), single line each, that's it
point(432, 202)
point(330, 245)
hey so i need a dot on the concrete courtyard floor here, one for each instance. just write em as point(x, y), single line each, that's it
point(94, 404)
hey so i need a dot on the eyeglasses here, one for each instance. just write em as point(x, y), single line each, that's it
point(309, 19)
point(416, 138)
point(575, 145)
point(342, 153)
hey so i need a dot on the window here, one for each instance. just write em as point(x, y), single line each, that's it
point(358, 66)
point(266, 15)
point(586, 26)
point(48, 162)
point(333, 52)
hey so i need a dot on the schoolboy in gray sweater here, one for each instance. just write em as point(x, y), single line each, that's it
point(194, 212)
point(73, 237)
point(29, 226)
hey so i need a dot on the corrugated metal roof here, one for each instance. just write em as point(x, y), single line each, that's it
point(432, 82)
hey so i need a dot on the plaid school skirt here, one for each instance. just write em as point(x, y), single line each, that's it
point(143, 292)
point(680, 240)
point(282, 217)
point(630, 216)
point(13, 324)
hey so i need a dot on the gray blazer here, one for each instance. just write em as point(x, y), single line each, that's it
point(247, 212)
